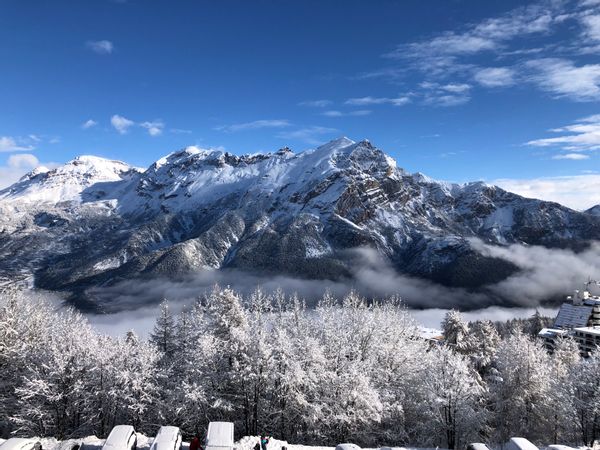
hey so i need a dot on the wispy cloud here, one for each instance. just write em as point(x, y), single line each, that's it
point(446, 51)
point(121, 124)
point(493, 77)
point(563, 78)
point(459, 53)
point(11, 144)
point(572, 156)
point(316, 103)
point(365, 101)
point(154, 128)
point(255, 125)
point(356, 113)
point(90, 123)
point(102, 47)
point(180, 131)
point(450, 94)
point(584, 135)
point(311, 135)
point(577, 191)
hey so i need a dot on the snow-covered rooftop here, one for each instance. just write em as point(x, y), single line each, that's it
point(571, 316)
point(589, 330)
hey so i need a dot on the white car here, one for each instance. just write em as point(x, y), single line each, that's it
point(219, 436)
point(347, 447)
point(122, 437)
point(167, 438)
point(21, 444)
point(477, 446)
point(519, 443)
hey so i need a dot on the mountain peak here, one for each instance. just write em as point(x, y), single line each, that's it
point(334, 145)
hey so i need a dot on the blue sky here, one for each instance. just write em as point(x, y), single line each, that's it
point(505, 91)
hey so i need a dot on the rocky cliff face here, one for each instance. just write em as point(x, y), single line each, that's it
point(94, 221)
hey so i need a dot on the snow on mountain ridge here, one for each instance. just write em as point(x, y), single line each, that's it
point(95, 221)
point(67, 182)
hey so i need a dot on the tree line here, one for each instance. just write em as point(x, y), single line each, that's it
point(347, 370)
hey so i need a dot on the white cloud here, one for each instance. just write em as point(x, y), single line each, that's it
point(578, 191)
point(255, 125)
point(591, 26)
point(572, 156)
point(10, 144)
point(495, 76)
point(451, 94)
point(121, 124)
point(580, 136)
point(154, 128)
point(364, 101)
point(102, 47)
point(310, 135)
point(456, 88)
point(563, 79)
point(18, 165)
point(89, 124)
point(443, 50)
point(180, 131)
point(23, 160)
point(316, 103)
point(358, 112)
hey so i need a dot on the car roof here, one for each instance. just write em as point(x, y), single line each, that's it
point(17, 443)
point(166, 435)
point(118, 434)
point(347, 446)
point(520, 444)
point(220, 434)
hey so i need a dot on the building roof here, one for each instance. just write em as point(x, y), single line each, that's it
point(551, 332)
point(571, 316)
point(589, 330)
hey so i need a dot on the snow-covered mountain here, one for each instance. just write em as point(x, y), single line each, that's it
point(95, 221)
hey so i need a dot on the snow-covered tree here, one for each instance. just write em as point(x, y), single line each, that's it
point(163, 334)
point(456, 331)
point(454, 413)
point(521, 389)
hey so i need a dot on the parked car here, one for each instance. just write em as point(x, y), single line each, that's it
point(347, 447)
point(519, 443)
point(477, 446)
point(219, 436)
point(167, 438)
point(21, 444)
point(122, 437)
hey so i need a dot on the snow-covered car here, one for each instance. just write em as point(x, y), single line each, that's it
point(519, 443)
point(122, 437)
point(167, 438)
point(21, 444)
point(347, 446)
point(477, 446)
point(219, 436)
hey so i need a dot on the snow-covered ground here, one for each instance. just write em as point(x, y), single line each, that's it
point(246, 443)
point(144, 442)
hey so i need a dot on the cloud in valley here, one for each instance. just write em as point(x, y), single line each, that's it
point(546, 274)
